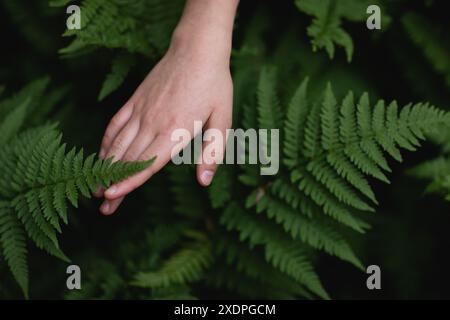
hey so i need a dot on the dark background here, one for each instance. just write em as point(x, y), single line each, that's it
point(409, 239)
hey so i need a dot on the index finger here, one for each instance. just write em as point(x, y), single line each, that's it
point(162, 147)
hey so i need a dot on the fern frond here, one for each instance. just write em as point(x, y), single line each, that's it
point(120, 67)
point(314, 231)
point(38, 178)
point(141, 26)
point(13, 244)
point(18, 109)
point(293, 262)
point(252, 267)
point(185, 266)
point(331, 148)
point(437, 171)
point(428, 38)
point(185, 194)
point(268, 103)
point(295, 125)
point(13, 122)
point(344, 146)
point(326, 30)
point(220, 191)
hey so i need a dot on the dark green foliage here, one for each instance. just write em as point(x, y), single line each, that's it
point(326, 31)
point(142, 26)
point(30, 25)
point(184, 267)
point(251, 236)
point(121, 65)
point(138, 27)
point(428, 37)
point(330, 148)
point(38, 178)
point(107, 279)
point(437, 170)
point(15, 110)
point(160, 261)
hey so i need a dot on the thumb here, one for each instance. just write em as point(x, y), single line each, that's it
point(213, 149)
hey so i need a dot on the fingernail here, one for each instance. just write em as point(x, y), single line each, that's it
point(111, 191)
point(206, 177)
point(105, 207)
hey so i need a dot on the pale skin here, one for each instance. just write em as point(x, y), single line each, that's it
point(192, 82)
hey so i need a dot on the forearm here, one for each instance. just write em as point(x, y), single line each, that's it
point(206, 23)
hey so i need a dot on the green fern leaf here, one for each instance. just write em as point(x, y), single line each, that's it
point(428, 38)
point(121, 66)
point(290, 259)
point(13, 243)
point(185, 266)
point(38, 180)
point(142, 26)
point(294, 124)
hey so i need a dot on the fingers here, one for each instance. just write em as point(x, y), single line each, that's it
point(110, 206)
point(117, 149)
point(214, 144)
point(161, 147)
point(142, 141)
point(114, 127)
point(134, 151)
point(123, 140)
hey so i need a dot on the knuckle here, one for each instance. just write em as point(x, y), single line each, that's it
point(147, 121)
point(170, 128)
point(118, 145)
point(167, 131)
point(114, 122)
point(175, 122)
point(130, 156)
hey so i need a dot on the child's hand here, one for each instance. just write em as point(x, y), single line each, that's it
point(191, 83)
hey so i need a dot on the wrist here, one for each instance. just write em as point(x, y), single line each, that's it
point(207, 46)
point(187, 35)
point(218, 14)
point(202, 15)
point(206, 26)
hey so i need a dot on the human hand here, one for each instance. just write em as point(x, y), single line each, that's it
point(192, 82)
